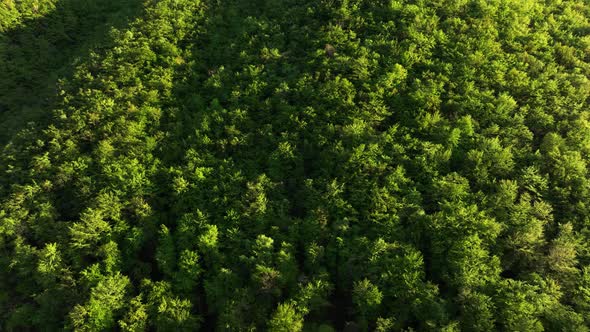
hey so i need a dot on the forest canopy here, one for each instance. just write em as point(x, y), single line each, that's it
point(295, 165)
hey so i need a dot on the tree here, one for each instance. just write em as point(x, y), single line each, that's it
point(366, 298)
point(107, 298)
point(285, 319)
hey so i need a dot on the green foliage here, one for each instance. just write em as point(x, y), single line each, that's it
point(285, 319)
point(106, 298)
point(135, 319)
point(366, 298)
point(356, 165)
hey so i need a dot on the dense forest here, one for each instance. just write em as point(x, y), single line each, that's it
point(295, 165)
